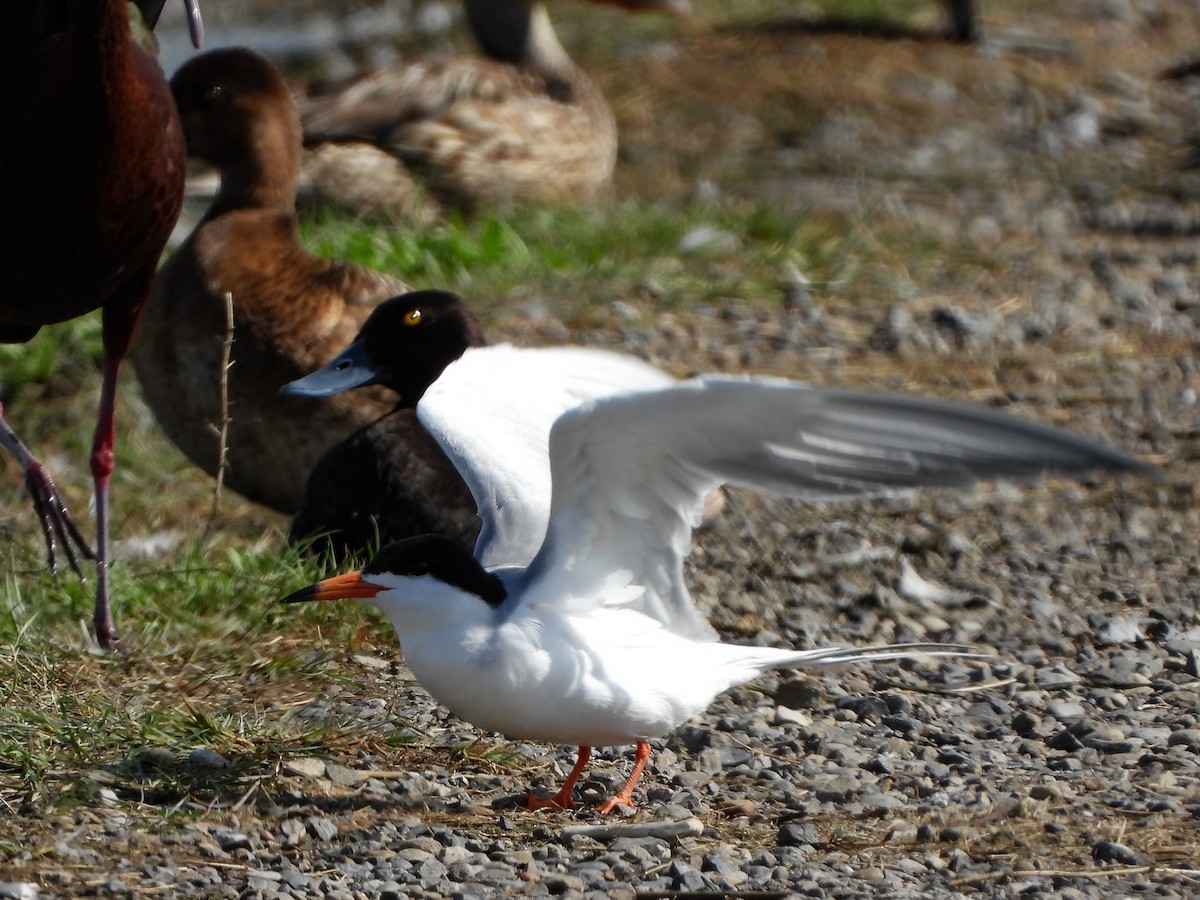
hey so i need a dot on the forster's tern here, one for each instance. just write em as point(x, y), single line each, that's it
point(595, 641)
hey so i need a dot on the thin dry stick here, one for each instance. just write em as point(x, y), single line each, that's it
point(1053, 873)
point(223, 430)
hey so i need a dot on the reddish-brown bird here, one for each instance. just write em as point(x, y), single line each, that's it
point(91, 175)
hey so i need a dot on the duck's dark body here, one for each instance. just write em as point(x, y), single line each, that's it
point(387, 481)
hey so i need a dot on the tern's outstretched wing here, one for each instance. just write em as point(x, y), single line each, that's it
point(629, 472)
point(491, 411)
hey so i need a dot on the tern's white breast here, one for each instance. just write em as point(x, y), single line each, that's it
point(605, 677)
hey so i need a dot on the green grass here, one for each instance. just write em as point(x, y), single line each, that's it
point(211, 648)
point(54, 359)
point(215, 660)
point(642, 253)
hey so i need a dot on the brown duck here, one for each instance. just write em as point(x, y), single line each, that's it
point(522, 124)
point(292, 311)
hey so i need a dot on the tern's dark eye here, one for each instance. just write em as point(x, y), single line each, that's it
point(214, 95)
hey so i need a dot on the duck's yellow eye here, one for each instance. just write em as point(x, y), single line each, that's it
point(412, 317)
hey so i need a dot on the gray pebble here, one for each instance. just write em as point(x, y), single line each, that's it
point(229, 840)
point(792, 834)
point(1065, 709)
point(1187, 737)
point(160, 874)
point(1110, 746)
point(321, 828)
point(1026, 724)
point(343, 775)
point(206, 758)
point(1112, 852)
point(799, 693)
point(686, 878)
point(1064, 740)
point(156, 760)
point(865, 708)
point(295, 880)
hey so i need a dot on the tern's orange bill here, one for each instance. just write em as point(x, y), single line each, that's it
point(339, 587)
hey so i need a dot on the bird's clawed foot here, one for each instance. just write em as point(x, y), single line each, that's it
point(610, 805)
point(558, 802)
point(57, 525)
point(111, 643)
point(562, 803)
point(106, 631)
point(563, 800)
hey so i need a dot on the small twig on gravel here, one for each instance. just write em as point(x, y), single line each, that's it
point(1052, 873)
point(689, 895)
point(237, 867)
point(384, 774)
point(674, 830)
point(758, 751)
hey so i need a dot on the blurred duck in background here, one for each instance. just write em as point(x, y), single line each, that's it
point(91, 176)
point(521, 125)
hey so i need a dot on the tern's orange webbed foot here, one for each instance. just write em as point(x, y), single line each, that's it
point(625, 796)
point(558, 802)
point(563, 799)
point(610, 805)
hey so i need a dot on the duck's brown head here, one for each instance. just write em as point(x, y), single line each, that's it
point(238, 115)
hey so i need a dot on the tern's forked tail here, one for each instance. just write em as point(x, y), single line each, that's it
point(761, 659)
point(832, 656)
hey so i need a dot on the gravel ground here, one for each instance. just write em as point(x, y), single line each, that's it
point(1065, 765)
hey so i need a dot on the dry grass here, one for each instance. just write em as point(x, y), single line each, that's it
point(218, 663)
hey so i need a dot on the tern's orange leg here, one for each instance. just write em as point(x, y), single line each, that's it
point(625, 797)
point(561, 800)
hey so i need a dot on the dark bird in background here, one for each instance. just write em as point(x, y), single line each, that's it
point(91, 181)
point(390, 480)
point(381, 485)
point(292, 311)
point(428, 349)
